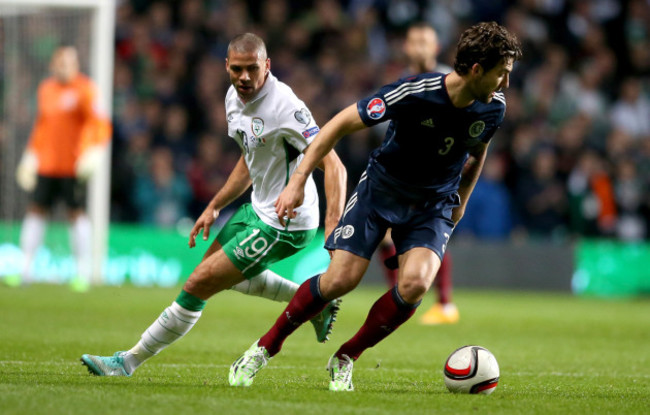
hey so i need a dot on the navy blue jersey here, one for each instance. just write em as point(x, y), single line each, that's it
point(428, 139)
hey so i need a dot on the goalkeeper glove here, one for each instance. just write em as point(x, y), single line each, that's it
point(88, 161)
point(26, 173)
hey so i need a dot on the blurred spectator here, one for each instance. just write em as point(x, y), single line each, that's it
point(489, 213)
point(591, 197)
point(628, 190)
point(631, 112)
point(208, 172)
point(637, 35)
point(126, 169)
point(541, 195)
point(161, 197)
point(175, 136)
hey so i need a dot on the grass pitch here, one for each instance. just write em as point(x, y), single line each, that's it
point(558, 355)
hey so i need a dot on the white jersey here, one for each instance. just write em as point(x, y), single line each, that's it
point(273, 130)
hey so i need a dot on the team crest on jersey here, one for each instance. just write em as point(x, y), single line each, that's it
point(376, 108)
point(257, 126)
point(476, 128)
point(303, 116)
point(68, 100)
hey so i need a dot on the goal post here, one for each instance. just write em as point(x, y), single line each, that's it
point(29, 30)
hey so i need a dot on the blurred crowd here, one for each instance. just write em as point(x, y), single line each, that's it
point(572, 157)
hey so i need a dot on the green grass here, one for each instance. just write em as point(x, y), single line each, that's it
point(558, 355)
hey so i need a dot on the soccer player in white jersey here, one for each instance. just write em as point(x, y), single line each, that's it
point(273, 128)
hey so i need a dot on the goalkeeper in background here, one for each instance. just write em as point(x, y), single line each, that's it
point(67, 142)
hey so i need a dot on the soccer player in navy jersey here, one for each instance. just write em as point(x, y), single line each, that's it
point(417, 182)
point(421, 48)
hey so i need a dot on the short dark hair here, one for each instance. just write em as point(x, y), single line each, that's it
point(420, 25)
point(247, 43)
point(485, 43)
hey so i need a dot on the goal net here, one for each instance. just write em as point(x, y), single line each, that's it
point(30, 30)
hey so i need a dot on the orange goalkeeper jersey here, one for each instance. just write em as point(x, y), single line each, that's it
point(67, 124)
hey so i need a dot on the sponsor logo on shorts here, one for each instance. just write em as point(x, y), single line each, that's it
point(376, 108)
point(312, 131)
point(239, 253)
point(347, 231)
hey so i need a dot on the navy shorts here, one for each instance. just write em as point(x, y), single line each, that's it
point(373, 209)
point(51, 189)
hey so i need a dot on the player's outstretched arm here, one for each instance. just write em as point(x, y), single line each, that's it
point(471, 172)
point(237, 183)
point(336, 177)
point(345, 122)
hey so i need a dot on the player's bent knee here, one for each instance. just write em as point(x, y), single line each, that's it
point(413, 288)
point(204, 282)
point(334, 286)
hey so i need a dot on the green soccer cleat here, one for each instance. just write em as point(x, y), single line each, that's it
point(105, 365)
point(324, 321)
point(341, 373)
point(246, 367)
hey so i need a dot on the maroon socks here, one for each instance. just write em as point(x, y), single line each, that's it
point(386, 315)
point(305, 304)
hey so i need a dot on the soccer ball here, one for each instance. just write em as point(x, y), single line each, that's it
point(471, 369)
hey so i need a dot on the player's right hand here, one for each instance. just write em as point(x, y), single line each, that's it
point(203, 223)
point(27, 171)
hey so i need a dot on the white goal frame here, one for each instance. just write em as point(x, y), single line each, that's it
point(101, 71)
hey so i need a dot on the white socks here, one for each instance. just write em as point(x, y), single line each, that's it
point(31, 237)
point(81, 242)
point(176, 320)
point(172, 324)
point(269, 285)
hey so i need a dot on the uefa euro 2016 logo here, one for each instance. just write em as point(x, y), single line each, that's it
point(376, 108)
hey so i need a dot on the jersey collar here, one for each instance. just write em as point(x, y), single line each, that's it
point(268, 85)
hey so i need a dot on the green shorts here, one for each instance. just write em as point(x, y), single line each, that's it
point(252, 245)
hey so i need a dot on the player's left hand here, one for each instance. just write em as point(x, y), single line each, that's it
point(88, 161)
point(291, 197)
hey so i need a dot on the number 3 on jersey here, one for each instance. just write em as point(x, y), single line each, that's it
point(449, 141)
